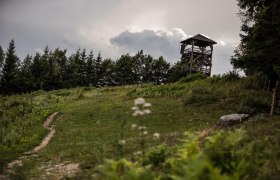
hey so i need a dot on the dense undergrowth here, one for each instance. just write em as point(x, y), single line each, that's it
point(223, 155)
point(249, 152)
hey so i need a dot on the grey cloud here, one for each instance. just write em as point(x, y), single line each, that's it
point(221, 58)
point(157, 43)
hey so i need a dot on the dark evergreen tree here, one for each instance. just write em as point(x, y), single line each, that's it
point(38, 69)
point(90, 69)
point(2, 57)
point(10, 75)
point(73, 78)
point(53, 76)
point(160, 70)
point(82, 71)
point(61, 60)
point(175, 72)
point(148, 68)
point(97, 70)
point(107, 73)
point(259, 47)
point(138, 66)
point(124, 70)
point(26, 77)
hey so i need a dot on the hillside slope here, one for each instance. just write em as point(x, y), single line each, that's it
point(93, 122)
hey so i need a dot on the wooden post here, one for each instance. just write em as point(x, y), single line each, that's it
point(191, 57)
point(273, 98)
point(210, 68)
point(264, 83)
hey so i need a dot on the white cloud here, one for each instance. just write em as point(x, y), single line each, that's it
point(222, 43)
point(40, 51)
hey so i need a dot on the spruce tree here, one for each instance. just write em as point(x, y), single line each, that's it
point(37, 70)
point(160, 70)
point(258, 51)
point(73, 76)
point(138, 66)
point(10, 75)
point(147, 68)
point(61, 60)
point(2, 57)
point(26, 74)
point(52, 72)
point(107, 73)
point(90, 69)
point(97, 70)
point(82, 68)
point(124, 70)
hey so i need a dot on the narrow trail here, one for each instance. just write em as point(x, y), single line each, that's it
point(18, 162)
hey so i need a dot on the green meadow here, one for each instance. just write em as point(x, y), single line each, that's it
point(93, 121)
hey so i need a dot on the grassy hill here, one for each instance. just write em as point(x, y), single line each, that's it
point(93, 122)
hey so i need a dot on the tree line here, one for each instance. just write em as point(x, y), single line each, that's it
point(54, 70)
point(259, 50)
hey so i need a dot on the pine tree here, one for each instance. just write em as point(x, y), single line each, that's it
point(258, 51)
point(53, 75)
point(26, 74)
point(61, 60)
point(10, 78)
point(124, 70)
point(175, 72)
point(2, 57)
point(147, 68)
point(107, 73)
point(138, 66)
point(97, 70)
point(90, 69)
point(73, 76)
point(160, 70)
point(37, 70)
point(82, 68)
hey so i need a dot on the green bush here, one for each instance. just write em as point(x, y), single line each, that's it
point(230, 76)
point(192, 77)
point(202, 95)
point(224, 155)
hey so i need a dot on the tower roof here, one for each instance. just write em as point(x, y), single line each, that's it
point(200, 40)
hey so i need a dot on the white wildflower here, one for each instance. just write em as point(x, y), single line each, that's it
point(135, 108)
point(133, 126)
point(139, 101)
point(156, 135)
point(147, 111)
point(97, 122)
point(141, 128)
point(145, 132)
point(137, 153)
point(147, 105)
point(122, 142)
point(138, 112)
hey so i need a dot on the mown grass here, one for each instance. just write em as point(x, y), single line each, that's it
point(89, 125)
point(21, 119)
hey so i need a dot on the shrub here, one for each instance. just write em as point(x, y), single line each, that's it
point(203, 95)
point(224, 155)
point(192, 77)
point(230, 76)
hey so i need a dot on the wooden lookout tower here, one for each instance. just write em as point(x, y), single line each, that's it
point(197, 54)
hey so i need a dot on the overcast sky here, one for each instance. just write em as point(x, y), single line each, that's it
point(115, 27)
